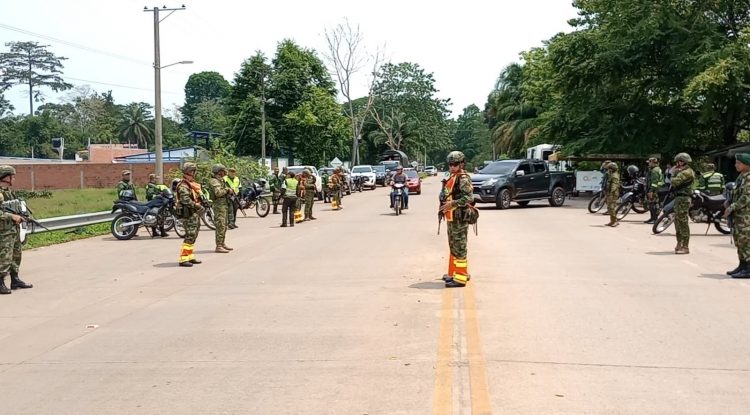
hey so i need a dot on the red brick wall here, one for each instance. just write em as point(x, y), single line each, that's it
point(81, 175)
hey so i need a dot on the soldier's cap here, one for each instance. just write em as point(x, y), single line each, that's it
point(152, 175)
point(6, 170)
point(743, 158)
point(232, 170)
point(653, 160)
point(126, 172)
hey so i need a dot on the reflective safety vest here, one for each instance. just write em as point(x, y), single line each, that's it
point(290, 184)
point(713, 182)
point(233, 183)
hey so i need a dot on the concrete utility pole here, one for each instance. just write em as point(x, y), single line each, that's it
point(157, 86)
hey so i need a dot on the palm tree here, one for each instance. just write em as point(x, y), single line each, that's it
point(512, 121)
point(134, 125)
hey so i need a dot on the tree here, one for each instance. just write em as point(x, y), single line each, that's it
point(472, 136)
point(246, 106)
point(29, 63)
point(134, 124)
point(511, 119)
point(202, 87)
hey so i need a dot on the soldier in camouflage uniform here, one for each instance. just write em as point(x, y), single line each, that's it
point(654, 181)
point(125, 184)
point(10, 240)
point(457, 195)
point(612, 193)
point(335, 184)
point(739, 210)
point(189, 209)
point(308, 183)
point(274, 183)
point(683, 178)
point(220, 193)
point(152, 190)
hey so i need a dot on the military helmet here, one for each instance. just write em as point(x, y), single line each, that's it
point(633, 170)
point(189, 167)
point(683, 157)
point(455, 157)
point(217, 168)
point(6, 170)
point(307, 171)
point(612, 166)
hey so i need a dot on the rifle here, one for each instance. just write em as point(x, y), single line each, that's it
point(25, 214)
point(441, 199)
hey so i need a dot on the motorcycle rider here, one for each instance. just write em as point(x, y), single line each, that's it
point(739, 210)
point(683, 178)
point(612, 193)
point(190, 208)
point(234, 183)
point(654, 181)
point(456, 196)
point(125, 184)
point(10, 238)
point(712, 182)
point(220, 193)
point(153, 189)
point(401, 178)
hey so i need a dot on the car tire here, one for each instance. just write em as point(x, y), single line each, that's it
point(503, 199)
point(523, 203)
point(557, 198)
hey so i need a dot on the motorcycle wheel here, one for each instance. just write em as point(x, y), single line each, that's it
point(208, 218)
point(262, 207)
point(623, 209)
point(722, 226)
point(121, 229)
point(663, 223)
point(640, 207)
point(179, 228)
point(397, 206)
point(169, 221)
point(596, 203)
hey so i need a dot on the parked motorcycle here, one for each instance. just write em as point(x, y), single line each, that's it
point(207, 214)
point(252, 197)
point(634, 197)
point(133, 214)
point(703, 209)
point(398, 198)
point(359, 183)
point(597, 202)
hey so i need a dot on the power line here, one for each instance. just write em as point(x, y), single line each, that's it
point(119, 85)
point(74, 45)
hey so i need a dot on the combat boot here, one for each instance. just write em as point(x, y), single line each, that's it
point(227, 248)
point(742, 273)
point(16, 283)
point(221, 250)
point(739, 268)
point(3, 288)
point(683, 249)
point(454, 284)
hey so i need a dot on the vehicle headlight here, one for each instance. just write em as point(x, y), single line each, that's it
point(490, 182)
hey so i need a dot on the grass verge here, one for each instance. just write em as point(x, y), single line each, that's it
point(57, 237)
point(75, 202)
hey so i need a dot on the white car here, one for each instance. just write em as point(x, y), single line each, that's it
point(318, 180)
point(431, 170)
point(368, 173)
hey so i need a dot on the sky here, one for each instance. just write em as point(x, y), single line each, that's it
point(110, 43)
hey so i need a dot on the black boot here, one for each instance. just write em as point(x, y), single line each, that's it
point(16, 283)
point(744, 272)
point(742, 265)
point(3, 288)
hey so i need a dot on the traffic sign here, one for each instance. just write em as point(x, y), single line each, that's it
point(336, 162)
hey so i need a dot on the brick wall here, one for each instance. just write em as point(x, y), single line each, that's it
point(81, 175)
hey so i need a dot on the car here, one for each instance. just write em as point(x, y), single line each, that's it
point(431, 170)
point(379, 174)
point(415, 183)
point(347, 178)
point(318, 181)
point(368, 173)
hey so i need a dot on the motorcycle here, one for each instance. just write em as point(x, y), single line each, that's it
point(359, 183)
point(634, 197)
point(207, 214)
point(703, 209)
point(252, 197)
point(133, 214)
point(597, 202)
point(398, 197)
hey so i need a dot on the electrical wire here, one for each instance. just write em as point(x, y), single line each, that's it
point(120, 86)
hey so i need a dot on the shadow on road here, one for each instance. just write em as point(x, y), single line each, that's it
point(428, 285)
point(664, 253)
point(167, 265)
point(715, 276)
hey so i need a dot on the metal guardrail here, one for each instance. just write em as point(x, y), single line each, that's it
point(74, 221)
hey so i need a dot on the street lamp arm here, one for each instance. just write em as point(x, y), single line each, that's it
point(176, 63)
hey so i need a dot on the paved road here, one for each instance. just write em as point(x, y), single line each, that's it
point(346, 315)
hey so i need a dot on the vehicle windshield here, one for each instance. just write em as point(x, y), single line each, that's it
point(379, 168)
point(411, 174)
point(362, 169)
point(430, 168)
point(499, 167)
point(391, 166)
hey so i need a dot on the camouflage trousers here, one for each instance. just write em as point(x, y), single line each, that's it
point(336, 194)
point(653, 203)
point(741, 237)
point(309, 200)
point(457, 235)
point(681, 220)
point(221, 219)
point(276, 200)
point(10, 253)
point(192, 226)
point(611, 199)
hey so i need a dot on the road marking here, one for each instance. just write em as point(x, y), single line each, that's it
point(443, 396)
point(480, 395)
point(691, 263)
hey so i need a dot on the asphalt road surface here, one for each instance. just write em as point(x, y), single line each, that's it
point(347, 315)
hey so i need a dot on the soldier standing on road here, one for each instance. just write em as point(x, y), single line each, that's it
point(10, 237)
point(683, 178)
point(189, 209)
point(153, 189)
point(324, 187)
point(739, 210)
point(335, 184)
point(712, 182)
point(457, 194)
point(234, 183)
point(612, 193)
point(125, 184)
point(289, 192)
point(308, 182)
point(220, 193)
point(654, 181)
point(274, 183)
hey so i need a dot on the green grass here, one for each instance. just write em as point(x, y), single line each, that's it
point(75, 202)
point(57, 237)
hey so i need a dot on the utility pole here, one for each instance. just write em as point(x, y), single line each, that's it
point(157, 87)
point(263, 119)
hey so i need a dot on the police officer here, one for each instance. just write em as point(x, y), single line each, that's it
point(308, 183)
point(10, 238)
point(190, 208)
point(612, 193)
point(683, 178)
point(457, 194)
point(234, 183)
point(289, 193)
point(125, 184)
point(220, 193)
point(739, 210)
point(153, 188)
point(654, 181)
point(712, 182)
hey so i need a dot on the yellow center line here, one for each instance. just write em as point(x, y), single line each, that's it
point(480, 395)
point(443, 396)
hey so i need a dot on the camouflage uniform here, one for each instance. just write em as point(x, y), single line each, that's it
point(740, 207)
point(309, 185)
point(123, 185)
point(220, 193)
point(334, 183)
point(189, 199)
point(152, 190)
point(324, 186)
point(612, 192)
point(274, 183)
point(682, 181)
point(10, 243)
point(654, 181)
point(458, 192)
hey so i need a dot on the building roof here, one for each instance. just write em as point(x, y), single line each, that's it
point(173, 154)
